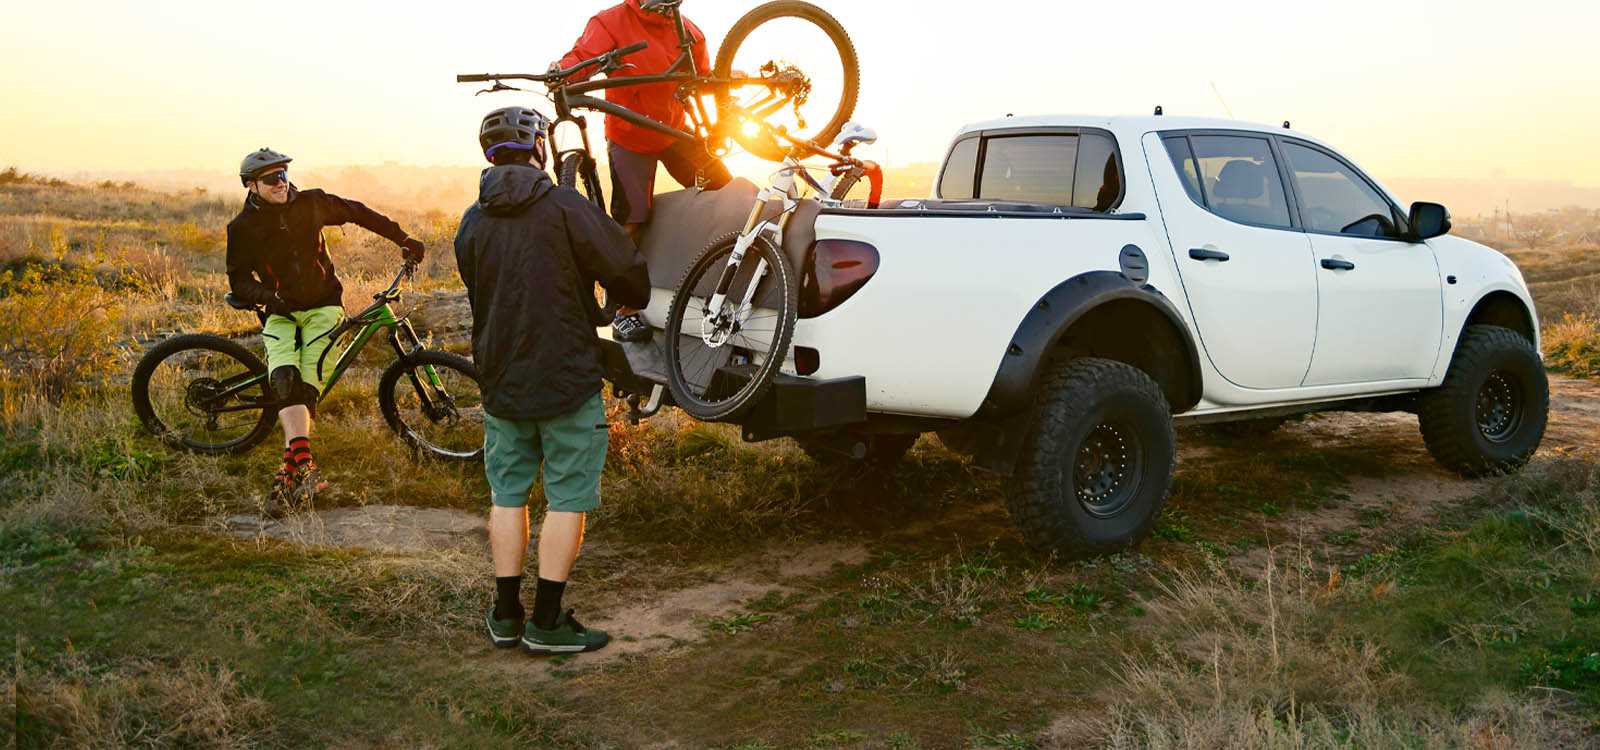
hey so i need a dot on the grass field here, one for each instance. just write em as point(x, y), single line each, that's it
point(1325, 587)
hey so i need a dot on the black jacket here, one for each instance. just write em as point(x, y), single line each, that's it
point(280, 249)
point(530, 253)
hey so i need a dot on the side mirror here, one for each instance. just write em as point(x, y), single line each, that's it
point(1428, 220)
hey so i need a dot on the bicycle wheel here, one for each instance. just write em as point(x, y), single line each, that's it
point(203, 393)
point(577, 171)
point(827, 60)
point(432, 401)
point(718, 367)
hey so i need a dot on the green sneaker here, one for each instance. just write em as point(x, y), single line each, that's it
point(503, 633)
point(567, 637)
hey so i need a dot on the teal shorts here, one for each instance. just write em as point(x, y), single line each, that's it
point(572, 448)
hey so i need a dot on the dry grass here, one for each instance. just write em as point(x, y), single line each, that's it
point(1572, 344)
point(1246, 662)
point(142, 704)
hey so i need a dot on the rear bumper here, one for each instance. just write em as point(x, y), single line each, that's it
point(793, 405)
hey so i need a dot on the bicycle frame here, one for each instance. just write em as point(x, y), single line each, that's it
point(376, 317)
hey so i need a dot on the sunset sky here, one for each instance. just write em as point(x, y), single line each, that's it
point(1408, 88)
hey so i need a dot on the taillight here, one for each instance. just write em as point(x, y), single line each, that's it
point(834, 270)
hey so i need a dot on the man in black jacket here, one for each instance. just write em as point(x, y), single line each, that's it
point(278, 260)
point(530, 254)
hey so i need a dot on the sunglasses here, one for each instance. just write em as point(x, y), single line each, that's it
point(275, 179)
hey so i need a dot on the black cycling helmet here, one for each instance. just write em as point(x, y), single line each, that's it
point(258, 161)
point(517, 128)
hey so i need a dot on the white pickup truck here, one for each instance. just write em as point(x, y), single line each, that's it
point(1075, 285)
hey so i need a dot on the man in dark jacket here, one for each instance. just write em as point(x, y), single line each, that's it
point(278, 260)
point(530, 254)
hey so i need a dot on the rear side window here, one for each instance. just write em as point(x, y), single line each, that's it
point(1066, 169)
point(1239, 179)
point(1098, 183)
point(960, 170)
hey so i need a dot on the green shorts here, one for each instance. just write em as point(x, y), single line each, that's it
point(285, 349)
point(571, 446)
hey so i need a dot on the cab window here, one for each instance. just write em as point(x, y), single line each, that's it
point(1065, 169)
point(1334, 198)
point(960, 169)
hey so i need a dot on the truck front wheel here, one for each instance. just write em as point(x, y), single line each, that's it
point(1097, 464)
point(1489, 414)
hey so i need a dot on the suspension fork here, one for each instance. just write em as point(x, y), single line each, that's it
point(429, 387)
point(782, 187)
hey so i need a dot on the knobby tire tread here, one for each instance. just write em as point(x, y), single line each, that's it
point(736, 406)
point(1064, 398)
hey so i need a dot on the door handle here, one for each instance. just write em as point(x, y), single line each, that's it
point(1199, 253)
point(1335, 264)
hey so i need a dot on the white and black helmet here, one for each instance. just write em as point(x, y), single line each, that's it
point(258, 161)
point(517, 128)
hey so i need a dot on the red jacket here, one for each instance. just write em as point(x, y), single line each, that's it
point(622, 25)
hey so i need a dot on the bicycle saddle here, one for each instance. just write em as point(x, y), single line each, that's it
point(236, 303)
point(855, 132)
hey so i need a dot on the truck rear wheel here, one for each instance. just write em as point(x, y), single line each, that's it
point(1489, 414)
point(1097, 465)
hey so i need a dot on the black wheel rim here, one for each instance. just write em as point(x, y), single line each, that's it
point(1499, 407)
point(747, 339)
point(445, 420)
point(183, 395)
point(1107, 468)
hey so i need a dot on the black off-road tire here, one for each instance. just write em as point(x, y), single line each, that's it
point(395, 376)
point(159, 353)
point(884, 451)
point(723, 66)
point(1461, 425)
point(577, 171)
point(1084, 410)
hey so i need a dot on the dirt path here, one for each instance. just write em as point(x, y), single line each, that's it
point(1419, 492)
point(644, 619)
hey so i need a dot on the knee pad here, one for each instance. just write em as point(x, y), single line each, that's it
point(285, 382)
point(306, 394)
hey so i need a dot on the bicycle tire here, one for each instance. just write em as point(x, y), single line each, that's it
point(760, 14)
point(393, 378)
point(140, 391)
point(711, 261)
point(577, 171)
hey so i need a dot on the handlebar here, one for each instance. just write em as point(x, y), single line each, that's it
point(607, 62)
point(407, 270)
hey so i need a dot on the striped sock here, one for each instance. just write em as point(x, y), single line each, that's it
point(288, 459)
point(299, 451)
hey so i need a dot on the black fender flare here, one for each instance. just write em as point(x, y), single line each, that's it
point(1054, 314)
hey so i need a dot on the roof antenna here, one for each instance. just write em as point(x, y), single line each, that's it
point(1158, 110)
point(1286, 125)
point(1224, 102)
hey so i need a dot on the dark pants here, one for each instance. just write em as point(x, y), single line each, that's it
point(633, 176)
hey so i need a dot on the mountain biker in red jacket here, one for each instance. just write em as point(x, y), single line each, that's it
point(634, 152)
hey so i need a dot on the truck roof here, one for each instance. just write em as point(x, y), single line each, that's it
point(1126, 123)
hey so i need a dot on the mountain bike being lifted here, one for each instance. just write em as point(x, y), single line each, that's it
point(731, 319)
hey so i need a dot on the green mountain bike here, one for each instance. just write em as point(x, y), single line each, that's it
point(209, 394)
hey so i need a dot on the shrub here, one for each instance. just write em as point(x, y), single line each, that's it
point(1573, 345)
point(60, 339)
